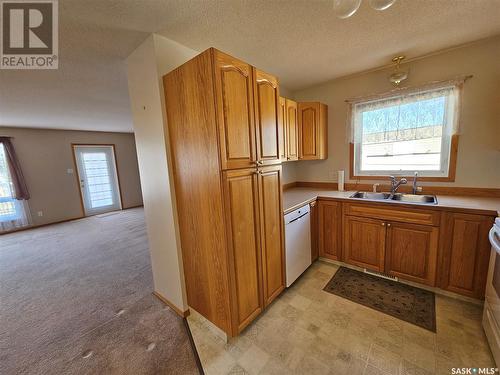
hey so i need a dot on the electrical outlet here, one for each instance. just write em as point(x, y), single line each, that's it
point(40, 213)
point(69, 171)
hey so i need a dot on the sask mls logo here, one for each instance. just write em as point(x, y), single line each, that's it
point(29, 34)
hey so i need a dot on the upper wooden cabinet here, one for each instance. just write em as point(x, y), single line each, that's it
point(292, 130)
point(234, 85)
point(266, 94)
point(330, 229)
point(465, 253)
point(313, 133)
point(282, 126)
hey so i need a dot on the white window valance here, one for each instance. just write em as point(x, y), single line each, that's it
point(451, 89)
point(405, 130)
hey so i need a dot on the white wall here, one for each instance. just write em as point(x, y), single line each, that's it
point(478, 162)
point(146, 66)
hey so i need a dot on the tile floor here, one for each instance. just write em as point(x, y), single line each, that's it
point(309, 331)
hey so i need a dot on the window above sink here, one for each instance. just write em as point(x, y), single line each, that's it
point(406, 131)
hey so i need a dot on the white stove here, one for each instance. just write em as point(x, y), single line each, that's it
point(491, 314)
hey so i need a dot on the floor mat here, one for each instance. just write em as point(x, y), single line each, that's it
point(405, 302)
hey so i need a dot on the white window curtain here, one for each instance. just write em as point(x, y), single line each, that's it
point(14, 213)
point(406, 114)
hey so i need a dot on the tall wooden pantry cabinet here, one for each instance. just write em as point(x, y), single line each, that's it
point(225, 144)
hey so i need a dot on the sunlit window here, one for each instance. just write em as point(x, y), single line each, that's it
point(404, 134)
point(10, 209)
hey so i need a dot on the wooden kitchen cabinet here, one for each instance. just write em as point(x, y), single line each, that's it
point(465, 253)
point(236, 113)
point(330, 229)
point(271, 214)
point(411, 252)
point(243, 233)
point(314, 207)
point(364, 242)
point(225, 148)
point(282, 126)
point(266, 94)
point(313, 130)
point(292, 130)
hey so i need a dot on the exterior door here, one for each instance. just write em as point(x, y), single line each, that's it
point(411, 252)
point(98, 179)
point(364, 242)
point(292, 135)
point(243, 228)
point(271, 213)
point(235, 111)
point(330, 237)
point(266, 118)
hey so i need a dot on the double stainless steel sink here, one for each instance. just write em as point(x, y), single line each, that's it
point(399, 197)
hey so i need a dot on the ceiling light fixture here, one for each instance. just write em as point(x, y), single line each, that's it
point(399, 75)
point(381, 4)
point(346, 8)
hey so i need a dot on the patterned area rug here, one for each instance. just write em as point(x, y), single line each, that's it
point(405, 302)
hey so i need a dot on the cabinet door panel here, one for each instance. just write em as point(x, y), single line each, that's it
point(273, 254)
point(330, 236)
point(465, 253)
point(315, 222)
point(242, 221)
point(308, 129)
point(292, 140)
point(364, 242)
point(411, 252)
point(235, 109)
point(266, 111)
point(282, 125)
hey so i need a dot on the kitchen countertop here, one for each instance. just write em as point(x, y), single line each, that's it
point(296, 197)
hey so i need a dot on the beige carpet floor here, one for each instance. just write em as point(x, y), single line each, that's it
point(75, 298)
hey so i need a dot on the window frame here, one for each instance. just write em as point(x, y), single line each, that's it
point(17, 215)
point(449, 143)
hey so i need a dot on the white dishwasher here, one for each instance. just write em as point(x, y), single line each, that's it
point(297, 243)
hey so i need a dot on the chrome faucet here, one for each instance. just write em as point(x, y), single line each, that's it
point(395, 184)
point(415, 188)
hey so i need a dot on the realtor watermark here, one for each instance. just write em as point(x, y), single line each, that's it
point(29, 34)
point(474, 370)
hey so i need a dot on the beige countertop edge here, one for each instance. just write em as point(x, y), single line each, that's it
point(294, 198)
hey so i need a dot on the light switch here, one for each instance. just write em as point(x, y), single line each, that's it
point(69, 171)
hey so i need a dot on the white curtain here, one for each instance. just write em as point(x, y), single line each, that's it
point(450, 90)
point(21, 219)
point(14, 213)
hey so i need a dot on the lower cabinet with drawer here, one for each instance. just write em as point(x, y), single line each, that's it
point(435, 247)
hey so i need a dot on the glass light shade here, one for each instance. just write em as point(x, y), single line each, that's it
point(397, 77)
point(345, 8)
point(381, 4)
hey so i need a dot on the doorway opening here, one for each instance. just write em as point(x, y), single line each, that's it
point(98, 178)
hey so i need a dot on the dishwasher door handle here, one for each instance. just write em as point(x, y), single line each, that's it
point(297, 218)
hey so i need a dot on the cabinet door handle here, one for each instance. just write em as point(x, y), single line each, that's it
point(389, 224)
point(383, 224)
point(260, 162)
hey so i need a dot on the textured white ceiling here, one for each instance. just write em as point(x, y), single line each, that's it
point(300, 41)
